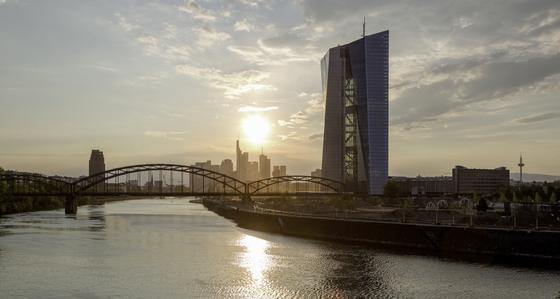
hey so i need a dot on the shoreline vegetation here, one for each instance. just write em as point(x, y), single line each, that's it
point(46, 203)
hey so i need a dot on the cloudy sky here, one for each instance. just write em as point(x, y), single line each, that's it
point(471, 82)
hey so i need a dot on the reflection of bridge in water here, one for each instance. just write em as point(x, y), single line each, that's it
point(164, 180)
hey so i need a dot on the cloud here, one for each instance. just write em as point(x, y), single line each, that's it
point(462, 83)
point(315, 102)
point(295, 120)
point(256, 109)
point(316, 136)
point(253, 3)
point(235, 84)
point(538, 117)
point(243, 25)
point(463, 22)
point(278, 50)
point(289, 136)
point(154, 46)
point(171, 135)
point(123, 23)
point(302, 120)
point(101, 67)
point(198, 12)
point(208, 36)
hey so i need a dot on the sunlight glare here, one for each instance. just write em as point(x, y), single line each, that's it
point(255, 259)
point(256, 129)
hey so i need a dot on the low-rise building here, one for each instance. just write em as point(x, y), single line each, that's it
point(473, 180)
point(424, 185)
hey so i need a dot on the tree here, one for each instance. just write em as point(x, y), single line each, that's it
point(406, 204)
point(482, 205)
point(553, 199)
point(391, 189)
point(538, 198)
point(503, 198)
point(515, 199)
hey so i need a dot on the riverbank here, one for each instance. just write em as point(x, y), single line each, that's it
point(33, 204)
point(500, 244)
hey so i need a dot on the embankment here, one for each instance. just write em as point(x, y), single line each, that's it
point(497, 243)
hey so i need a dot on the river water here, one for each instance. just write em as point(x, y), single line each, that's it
point(175, 249)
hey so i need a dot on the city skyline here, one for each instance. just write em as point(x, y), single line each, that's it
point(174, 82)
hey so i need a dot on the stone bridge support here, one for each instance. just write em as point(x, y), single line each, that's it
point(71, 204)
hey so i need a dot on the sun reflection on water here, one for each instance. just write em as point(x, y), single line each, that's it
point(255, 258)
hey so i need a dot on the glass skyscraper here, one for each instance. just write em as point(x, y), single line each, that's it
point(355, 79)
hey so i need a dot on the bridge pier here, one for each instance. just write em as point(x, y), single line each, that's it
point(246, 199)
point(71, 204)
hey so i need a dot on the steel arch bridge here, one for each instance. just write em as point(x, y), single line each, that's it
point(91, 183)
point(35, 184)
point(128, 180)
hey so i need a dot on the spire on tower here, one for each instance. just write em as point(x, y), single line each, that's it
point(364, 27)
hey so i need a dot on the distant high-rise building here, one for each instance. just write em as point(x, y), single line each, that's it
point(317, 173)
point(96, 162)
point(264, 164)
point(283, 171)
point(275, 171)
point(279, 170)
point(253, 171)
point(242, 163)
point(202, 184)
point(227, 167)
point(355, 79)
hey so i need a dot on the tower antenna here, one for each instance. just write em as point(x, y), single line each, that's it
point(521, 164)
point(364, 27)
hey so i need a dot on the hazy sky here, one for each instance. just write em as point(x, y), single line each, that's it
point(472, 82)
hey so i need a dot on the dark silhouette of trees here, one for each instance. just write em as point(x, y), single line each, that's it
point(391, 189)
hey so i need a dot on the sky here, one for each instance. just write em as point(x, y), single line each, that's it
point(472, 83)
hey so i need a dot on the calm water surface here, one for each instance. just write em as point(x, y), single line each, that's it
point(174, 249)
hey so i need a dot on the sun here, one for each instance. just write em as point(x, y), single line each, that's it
point(256, 129)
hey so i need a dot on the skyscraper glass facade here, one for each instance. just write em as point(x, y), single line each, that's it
point(355, 81)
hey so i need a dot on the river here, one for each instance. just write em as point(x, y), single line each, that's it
point(171, 248)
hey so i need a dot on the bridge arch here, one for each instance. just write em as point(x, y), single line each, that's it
point(86, 183)
point(256, 186)
point(19, 184)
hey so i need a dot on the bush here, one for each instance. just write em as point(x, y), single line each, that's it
point(391, 189)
